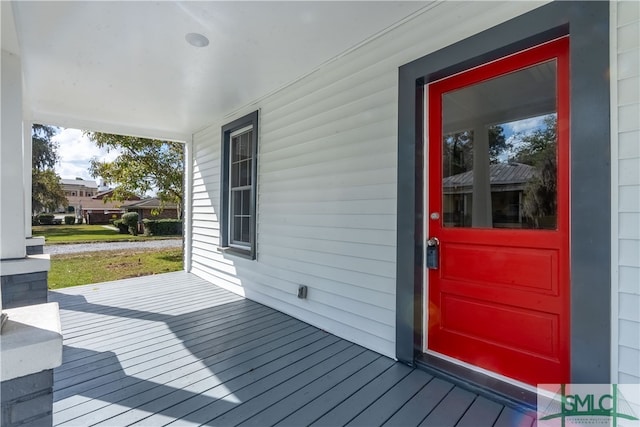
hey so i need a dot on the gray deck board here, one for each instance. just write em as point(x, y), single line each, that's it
point(451, 409)
point(390, 402)
point(481, 412)
point(141, 362)
point(509, 417)
point(198, 389)
point(281, 409)
point(334, 396)
point(360, 400)
point(182, 373)
point(266, 395)
point(159, 344)
point(212, 399)
point(175, 350)
point(421, 404)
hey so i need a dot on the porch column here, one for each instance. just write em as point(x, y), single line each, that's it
point(481, 211)
point(27, 178)
point(12, 203)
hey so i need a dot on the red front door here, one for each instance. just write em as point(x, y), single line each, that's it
point(498, 204)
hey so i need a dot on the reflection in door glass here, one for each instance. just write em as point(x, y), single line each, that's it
point(499, 152)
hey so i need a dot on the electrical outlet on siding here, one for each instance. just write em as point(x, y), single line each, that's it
point(302, 291)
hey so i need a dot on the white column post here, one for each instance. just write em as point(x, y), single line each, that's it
point(27, 180)
point(187, 202)
point(12, 204)
point(481, 210)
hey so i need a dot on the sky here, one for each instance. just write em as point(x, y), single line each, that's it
point(514, 131)
point(75, 152)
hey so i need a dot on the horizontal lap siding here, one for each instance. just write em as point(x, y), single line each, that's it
point(327, 182)
point(627, 87)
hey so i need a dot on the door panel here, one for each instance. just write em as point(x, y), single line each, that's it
point(492, 266)
point(498, 204)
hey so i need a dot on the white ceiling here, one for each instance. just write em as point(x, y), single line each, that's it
point(530, 92)
point(126, 67)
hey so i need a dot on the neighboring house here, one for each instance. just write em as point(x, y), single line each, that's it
point(152, 208)
point(98, 211)
point(507, 186)
point(332, 178)
point(78, 191)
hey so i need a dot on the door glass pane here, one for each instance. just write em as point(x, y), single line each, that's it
point(499, 151)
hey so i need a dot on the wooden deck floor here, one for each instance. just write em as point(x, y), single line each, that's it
point(174, 349)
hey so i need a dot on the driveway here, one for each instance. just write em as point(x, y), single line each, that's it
point(111, 246)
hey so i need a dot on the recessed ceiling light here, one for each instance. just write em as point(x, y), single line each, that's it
point(196, 39)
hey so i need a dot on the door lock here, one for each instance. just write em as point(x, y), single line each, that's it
point(433, 253)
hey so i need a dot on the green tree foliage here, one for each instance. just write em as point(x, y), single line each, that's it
point(458, 150)
point(538, 149)
point(46, 190)
point(534, 146)
point(44, 151)
point(130, 219)
point(143, 165)
point(457, 153)
point(497, 143)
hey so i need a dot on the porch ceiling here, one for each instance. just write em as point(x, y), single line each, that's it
point(125, 66)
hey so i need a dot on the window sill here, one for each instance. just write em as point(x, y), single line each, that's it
point(244, 253)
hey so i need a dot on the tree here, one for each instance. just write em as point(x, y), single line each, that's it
point(533, 146)
point(457, 153)
point(143, 165)
point(44, 151)
point(497, 143)
point(46, 190)
point(458, 149)
point(538, 149)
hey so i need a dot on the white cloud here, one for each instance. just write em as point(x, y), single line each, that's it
point(75, 152)
point(526, 125)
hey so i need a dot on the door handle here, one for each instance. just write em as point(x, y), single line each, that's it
point(433, 253)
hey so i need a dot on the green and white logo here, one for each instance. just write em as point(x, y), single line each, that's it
point(615, 405)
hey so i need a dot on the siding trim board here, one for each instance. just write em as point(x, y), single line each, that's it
point(587, 24)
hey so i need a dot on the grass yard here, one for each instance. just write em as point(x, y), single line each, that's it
point(59, 234)
point(104, 266)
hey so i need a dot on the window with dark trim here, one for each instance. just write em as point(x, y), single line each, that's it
point(238, 186)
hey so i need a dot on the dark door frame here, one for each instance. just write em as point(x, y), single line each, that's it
point(587, 24)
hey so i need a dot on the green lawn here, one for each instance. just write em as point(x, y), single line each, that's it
point(84, 234)
point(95, 267)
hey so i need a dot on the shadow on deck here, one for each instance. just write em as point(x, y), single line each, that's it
point(174, 349)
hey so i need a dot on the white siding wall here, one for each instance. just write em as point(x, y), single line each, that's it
point(626, 180)
point(327, 182)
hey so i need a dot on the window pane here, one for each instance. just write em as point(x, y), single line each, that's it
point(499, 151)
point(235, 175)
point(236, 230)
point(246, 202)
point(242, 148)
point(235, 149)
point(236, 203)
point(249, 136)
point(244, 173)
point(245, 229)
